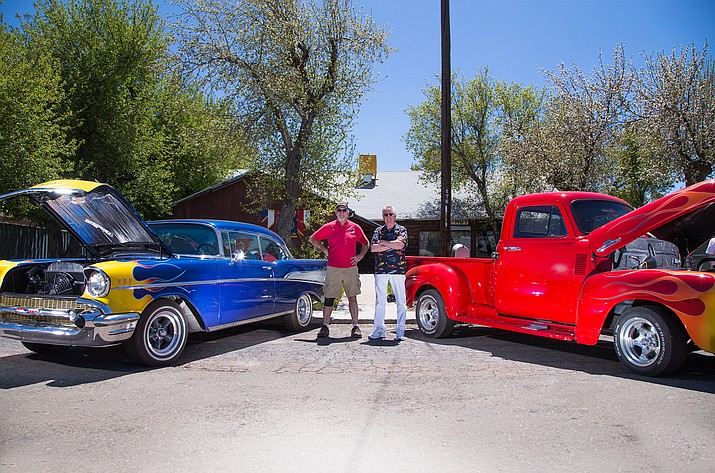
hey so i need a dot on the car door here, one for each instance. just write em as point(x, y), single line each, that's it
point(247, 286)
point(535, 267)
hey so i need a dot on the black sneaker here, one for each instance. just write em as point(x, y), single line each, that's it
point(355, 332)
point(324, 331)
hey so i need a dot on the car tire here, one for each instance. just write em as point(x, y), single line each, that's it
point(44, 348)
point(160, 336)
point(431, 315)
point(650, 343)
point(300, 319)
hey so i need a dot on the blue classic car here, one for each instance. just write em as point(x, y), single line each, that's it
point(148, 285)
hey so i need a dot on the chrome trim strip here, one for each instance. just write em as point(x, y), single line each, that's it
point(217, 281)
point(248, 321)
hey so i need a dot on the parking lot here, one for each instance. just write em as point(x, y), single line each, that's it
point(258, 398)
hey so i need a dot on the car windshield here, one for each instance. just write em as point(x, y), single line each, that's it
point(591, 214)
point(187, 238)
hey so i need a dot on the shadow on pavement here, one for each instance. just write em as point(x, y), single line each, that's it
point(79, 365)
point(698, 373)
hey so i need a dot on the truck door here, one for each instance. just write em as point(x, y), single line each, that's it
point(535, 267)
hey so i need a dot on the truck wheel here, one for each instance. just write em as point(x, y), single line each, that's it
point(650, 343)
point(302, 315)
point(160, 336)
point(432, 316)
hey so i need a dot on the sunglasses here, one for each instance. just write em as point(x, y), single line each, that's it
point(388, 214)
point(341, 210)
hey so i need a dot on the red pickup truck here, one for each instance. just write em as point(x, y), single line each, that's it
point(576, 265)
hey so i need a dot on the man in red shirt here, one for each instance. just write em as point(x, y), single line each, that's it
point(342, 236)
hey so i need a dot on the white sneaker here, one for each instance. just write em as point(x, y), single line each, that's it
point(377, 335)
point(400, 336)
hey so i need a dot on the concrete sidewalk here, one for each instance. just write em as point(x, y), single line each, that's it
point(366, 304)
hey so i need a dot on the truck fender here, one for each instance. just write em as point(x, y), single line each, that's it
point(688, 295)
point(452, 284)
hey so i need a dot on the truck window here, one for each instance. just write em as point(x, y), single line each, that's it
point(591, 214)
point(540, 221)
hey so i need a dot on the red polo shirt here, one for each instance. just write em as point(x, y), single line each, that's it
point(342, 241)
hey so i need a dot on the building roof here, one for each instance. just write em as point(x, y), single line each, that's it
point(411, 198)
point(236, 175)
point(401, 189)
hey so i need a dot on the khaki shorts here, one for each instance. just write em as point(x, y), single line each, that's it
point(335, 278)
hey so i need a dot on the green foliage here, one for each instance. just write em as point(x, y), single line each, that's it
point(109, 52)
point(121, 113)
point(639, 177)
point(34, 146)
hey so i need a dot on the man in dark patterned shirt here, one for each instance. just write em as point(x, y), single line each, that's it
point(389, 243)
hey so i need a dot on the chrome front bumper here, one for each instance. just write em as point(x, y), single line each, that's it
point(75, 322)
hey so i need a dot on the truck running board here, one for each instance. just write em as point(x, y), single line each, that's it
point(546, 329)
point(537, 327)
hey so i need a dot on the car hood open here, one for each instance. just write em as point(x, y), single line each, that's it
point(685, 217)
point(96, 214)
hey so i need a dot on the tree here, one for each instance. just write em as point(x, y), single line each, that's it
point(33, 142)
point(296, 72)
point(107, 51)
point(639, 176)
point(136, 125)
point(675, 101)
point(200, 142)
point(584, 117)
point(482, 111)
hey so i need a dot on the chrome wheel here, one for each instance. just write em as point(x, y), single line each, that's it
point(302, 315)
point(164, 333)
point(650, 341)
point(304, 309)
point(428, 313)
point(639, 342)
point(160, 335)
point(432, 316)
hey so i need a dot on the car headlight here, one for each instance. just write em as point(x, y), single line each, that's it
point(98, 284)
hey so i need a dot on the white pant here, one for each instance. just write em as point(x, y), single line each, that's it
point(397, 281)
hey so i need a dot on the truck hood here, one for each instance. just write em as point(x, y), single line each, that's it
point(96, 214)
point(684, 217)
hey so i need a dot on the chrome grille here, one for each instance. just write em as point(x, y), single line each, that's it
point(35, 319)
point(43, 303)
point(15, 310)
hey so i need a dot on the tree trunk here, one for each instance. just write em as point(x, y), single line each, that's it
point(284, 222)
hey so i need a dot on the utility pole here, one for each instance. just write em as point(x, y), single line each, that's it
point(446, 124)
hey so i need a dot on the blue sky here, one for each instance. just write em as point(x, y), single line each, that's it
point(513, 38)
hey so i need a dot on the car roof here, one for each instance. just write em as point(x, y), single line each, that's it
point(222, 225)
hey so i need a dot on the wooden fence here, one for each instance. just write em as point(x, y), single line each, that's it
point(22, 241)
